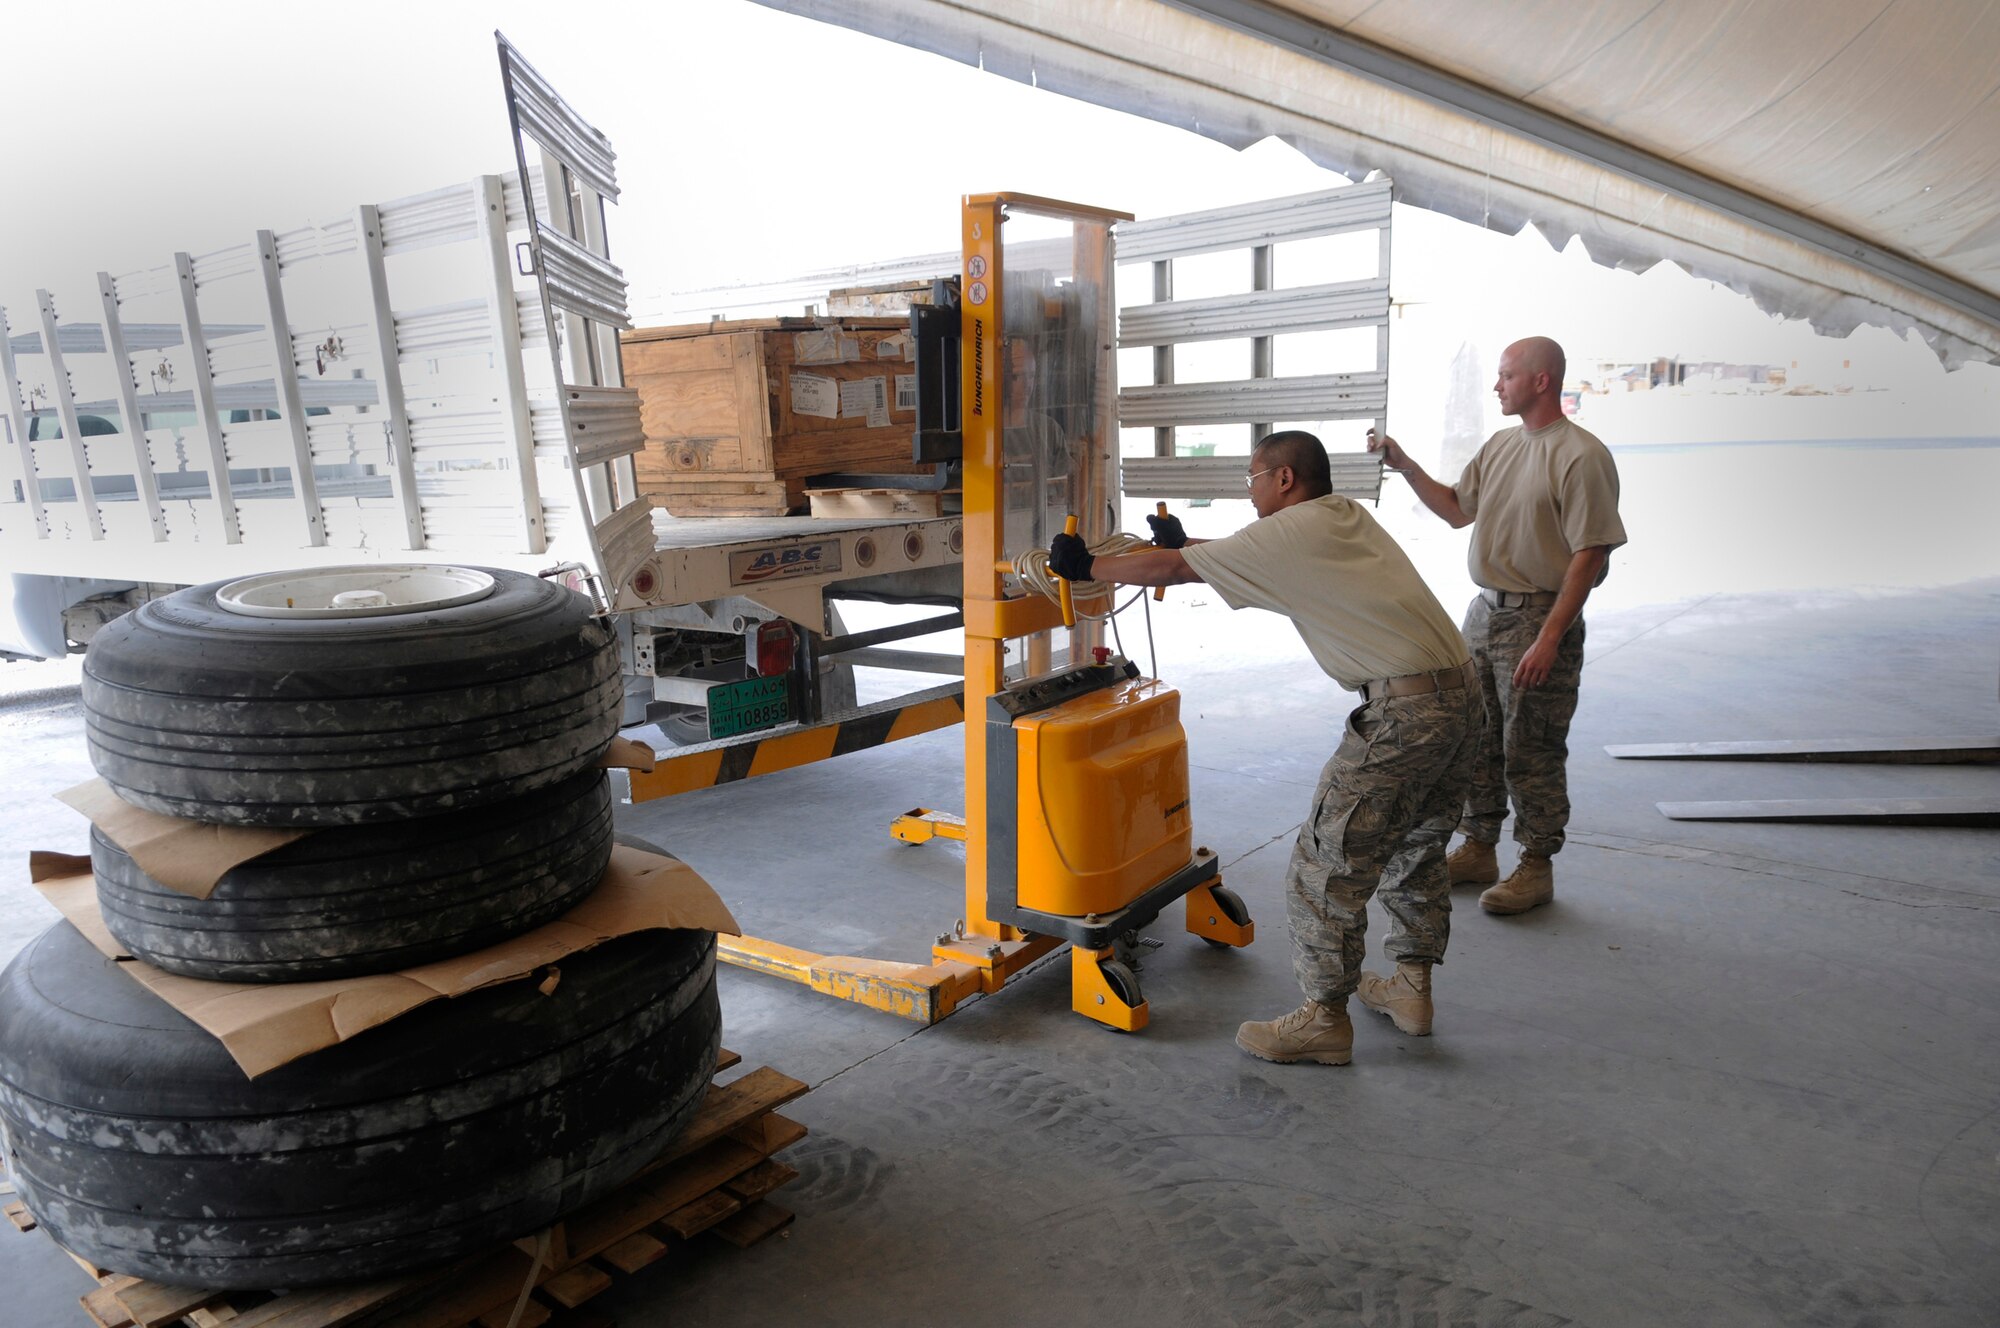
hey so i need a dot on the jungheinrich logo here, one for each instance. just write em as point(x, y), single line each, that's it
point(782, 561)
point(979, 366)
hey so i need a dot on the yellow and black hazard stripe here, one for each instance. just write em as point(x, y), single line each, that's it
point(726, 762)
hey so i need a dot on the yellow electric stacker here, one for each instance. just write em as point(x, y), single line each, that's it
point(1077, 825)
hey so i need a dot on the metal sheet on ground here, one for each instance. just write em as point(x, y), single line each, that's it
point(1835, 811)
point(1857, 751)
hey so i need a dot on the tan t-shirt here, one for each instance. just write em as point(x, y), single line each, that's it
point(1535, 499)
point(1358, 603)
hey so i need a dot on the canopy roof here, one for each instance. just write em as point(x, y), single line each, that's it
point(1837, 160)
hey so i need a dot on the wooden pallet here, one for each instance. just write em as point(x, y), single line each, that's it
point(713, 1180)
point(877, 504)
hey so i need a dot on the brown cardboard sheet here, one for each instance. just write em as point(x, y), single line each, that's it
point(192, 856)
point(629, 754)
point(188, 856)
point(267, 1025)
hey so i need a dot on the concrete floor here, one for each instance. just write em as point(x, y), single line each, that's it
point(1736, 1074)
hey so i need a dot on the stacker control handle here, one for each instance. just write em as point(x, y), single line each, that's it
point(1062, 583)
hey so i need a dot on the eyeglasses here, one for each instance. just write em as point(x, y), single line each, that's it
point(1249, 480)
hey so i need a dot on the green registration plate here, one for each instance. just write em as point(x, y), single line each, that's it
point(748, 705)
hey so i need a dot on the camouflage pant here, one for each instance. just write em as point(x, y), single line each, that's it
point(1526, 745)
point(1384, 808)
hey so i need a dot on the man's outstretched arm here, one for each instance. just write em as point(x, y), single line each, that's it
point(1146, 567)
point(1071, 559)
point(1440, 498)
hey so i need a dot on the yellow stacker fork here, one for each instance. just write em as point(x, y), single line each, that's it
point(1077, 826)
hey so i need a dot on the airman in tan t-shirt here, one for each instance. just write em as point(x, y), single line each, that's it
point(1348, 588)
point(1535, 497)
point(1542, 501)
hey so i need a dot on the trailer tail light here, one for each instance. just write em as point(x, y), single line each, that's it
point(774, 648)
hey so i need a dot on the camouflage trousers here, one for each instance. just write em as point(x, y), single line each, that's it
point(1384, 808)
point(1526, 746)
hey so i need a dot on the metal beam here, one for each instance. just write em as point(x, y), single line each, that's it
point(285, 379)
point(839, 645)
point(64, 395)
point(129, 414)
point(727, 760)
point(1343, 396)
point(503, 315)
point(1844, 811)
point(923, 992)
point(1338, 50)
point(908, 661)
point(1340, 211)
point(17, 423)
point(402, 465)
point(1354, 475)
point(1849, 751)
point(920, 825)
point(202, 373)
point(1259, 314)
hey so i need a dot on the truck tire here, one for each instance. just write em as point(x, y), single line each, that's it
point(194, 710)
point(135, 1139)
point(350, 900)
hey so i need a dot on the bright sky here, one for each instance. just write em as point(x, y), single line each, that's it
point(753, 146)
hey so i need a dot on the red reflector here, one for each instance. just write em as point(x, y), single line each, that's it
point(774, 648)
point(644, 583)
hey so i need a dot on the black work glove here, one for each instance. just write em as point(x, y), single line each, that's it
point(1069, 558)
point(1167, 532)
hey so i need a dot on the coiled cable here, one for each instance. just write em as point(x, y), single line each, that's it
point(1033, 569)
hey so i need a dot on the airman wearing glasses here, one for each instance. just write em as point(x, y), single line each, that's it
point(1389, 797)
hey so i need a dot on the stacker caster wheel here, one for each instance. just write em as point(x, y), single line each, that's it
point(1233, 908)
point(1107, 991)
point(1123, 981)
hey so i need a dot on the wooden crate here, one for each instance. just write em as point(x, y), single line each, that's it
point(739, 414)
point(712, 1181)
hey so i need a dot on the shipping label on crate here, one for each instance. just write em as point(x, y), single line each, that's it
point(782, 562)
point(825, 345)
point(897, 347)
point(814, 395)
point(906, 391)
point(866, 398)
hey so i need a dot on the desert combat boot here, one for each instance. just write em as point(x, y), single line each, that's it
point(1532, 884)
point(1405, 998)
point(1313, 1032)
point(1472, 863)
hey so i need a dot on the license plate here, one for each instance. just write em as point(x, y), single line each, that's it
point(748, 705)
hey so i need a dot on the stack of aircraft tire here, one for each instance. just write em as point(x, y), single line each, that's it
point(441, 729)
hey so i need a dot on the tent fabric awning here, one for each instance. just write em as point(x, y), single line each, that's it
point(1844, 154)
